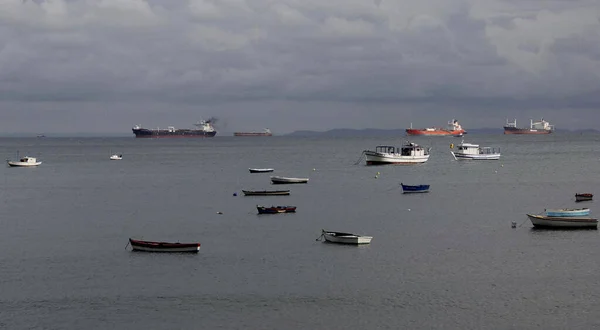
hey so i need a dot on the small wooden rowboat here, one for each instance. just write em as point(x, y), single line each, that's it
point(562, 222)
point(275, 209)
point(345, 238)
point(266, 192)
point(582, 212)
point(260, 170)
point(286, 180)
point(583, 197)
point(149, 246)
point(422, 188)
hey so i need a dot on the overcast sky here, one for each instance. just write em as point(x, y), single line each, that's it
point(106, 65)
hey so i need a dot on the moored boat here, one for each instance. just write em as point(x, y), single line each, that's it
point(469, 151)
point(582, 212)
point(408, 189)
point(409, 153)
point(24, 162)
point(452, 129)
point(581, 197)
point(345, 238)
point(275, 209)
point(205, 129)
point(287, 180)
point(543, 221)
point(266, 192)
point(538, 127)
point(116, 157)
point(150, 246)
point(260, 170)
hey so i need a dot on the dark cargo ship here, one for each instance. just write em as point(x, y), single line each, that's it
point(538, 127)
point(205, 129)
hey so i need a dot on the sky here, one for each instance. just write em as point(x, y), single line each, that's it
point(103, 66)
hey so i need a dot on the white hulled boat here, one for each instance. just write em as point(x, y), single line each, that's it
point(408, 153)
point(469, 151)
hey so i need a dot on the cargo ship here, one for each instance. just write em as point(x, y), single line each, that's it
point(205, 129)
point(452, 129)
point(265, 132)
point(538, 127)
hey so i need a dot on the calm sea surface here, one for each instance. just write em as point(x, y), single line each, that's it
point(448, 259)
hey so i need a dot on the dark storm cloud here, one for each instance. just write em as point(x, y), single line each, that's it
point(484, 54)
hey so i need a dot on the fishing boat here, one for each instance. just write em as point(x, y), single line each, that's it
point(24, 162)
point(543, 221)
point(149, 246)
point(116, 157)
point(469, 151)
point(266, 192)
point(581, 197)
point(408, 189)
point(344, 238)
point(408, 153)
point(260, 170)
point(287, 180)
point(275, 209)
point(582, 212)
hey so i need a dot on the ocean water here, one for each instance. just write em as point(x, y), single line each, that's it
point(448, 259)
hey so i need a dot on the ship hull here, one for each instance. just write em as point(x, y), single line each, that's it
point(514, 130)
point(438, 132)
point(251, 134)
point(155, 134)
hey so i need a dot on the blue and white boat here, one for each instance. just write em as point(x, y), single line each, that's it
point(422, 188)
point(582, 212)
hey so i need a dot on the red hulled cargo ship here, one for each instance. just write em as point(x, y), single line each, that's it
point(452, 129)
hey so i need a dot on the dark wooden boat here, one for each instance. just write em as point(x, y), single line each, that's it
point(266, 192)
point(149, 246)
point(583, 197)
point(407, 189)
point(275, 209)
point(260, 170)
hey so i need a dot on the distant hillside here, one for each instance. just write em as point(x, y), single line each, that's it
point(348, 132)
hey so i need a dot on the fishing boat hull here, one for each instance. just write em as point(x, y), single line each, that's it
point(461, 156)
point(583, 212)
point(149, 246)
point(583, 197)
point(116, 157)
point(382, 158)
point(541, 221)
point(260, 170)
point(285, 180)
point(22, 164)
point(408, 189)
point(266, 192)
point(345, 238)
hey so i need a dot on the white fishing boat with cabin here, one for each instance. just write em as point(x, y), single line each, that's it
point(24, 162)
point(469, 151)
point(409, 153)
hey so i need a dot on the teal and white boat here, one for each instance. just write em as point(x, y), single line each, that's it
point(582, 212)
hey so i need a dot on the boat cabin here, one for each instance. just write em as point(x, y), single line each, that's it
point(29, 160)
point(409, 149)
point(474, 149)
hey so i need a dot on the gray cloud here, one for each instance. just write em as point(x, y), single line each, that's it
point(121, 61)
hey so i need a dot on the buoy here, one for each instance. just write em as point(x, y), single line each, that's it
point(451, 145)
point(376, 176)
point(234, 194)
point(409, 209)
point(513, 224)
point(502, 165)
point(495, 171)
point(378, 173)
point(314, 169)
